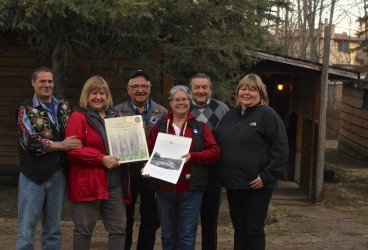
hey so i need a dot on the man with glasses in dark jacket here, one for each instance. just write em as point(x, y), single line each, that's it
point(140, 103)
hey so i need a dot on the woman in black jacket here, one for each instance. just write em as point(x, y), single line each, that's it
point(254, 148)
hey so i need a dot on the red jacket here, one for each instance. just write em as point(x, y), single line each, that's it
point(87, 175)
point(210, 154)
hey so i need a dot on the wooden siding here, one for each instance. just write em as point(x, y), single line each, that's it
point(309, 106)
point(333, 111)
point(353, 129)
point(17, 63)
point(16, 66)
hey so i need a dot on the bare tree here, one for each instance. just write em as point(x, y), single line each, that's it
point(303, 23)
point(300, 37)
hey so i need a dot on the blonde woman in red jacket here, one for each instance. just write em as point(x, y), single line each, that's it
point(94, 175)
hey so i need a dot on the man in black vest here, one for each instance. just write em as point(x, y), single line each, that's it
point(140, 103)
point(209, 111)
point(41, 124)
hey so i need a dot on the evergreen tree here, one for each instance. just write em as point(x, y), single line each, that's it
point(172, 39)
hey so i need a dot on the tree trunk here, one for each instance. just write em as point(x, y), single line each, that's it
point(58, 69)
point(312, 34)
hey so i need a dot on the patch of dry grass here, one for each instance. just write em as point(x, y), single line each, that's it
point(349, 193)
point(281, 222)
point(274, 215)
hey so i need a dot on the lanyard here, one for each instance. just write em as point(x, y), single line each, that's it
point(167, 127)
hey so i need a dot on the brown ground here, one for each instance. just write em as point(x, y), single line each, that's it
point(340, 222)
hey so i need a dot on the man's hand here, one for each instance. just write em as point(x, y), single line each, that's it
point(71, 142)
point(110, 161)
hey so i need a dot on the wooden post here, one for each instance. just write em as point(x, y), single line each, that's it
point(320, 161)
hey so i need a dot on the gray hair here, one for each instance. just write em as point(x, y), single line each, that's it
point(201, 75)
point(176, 88)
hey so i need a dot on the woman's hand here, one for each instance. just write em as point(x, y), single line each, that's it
point(110, 161)
point(256, 183)
point(147, 176)
point(187, 157)
point(142, 172)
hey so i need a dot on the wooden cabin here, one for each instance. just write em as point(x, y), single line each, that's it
point(294, 89)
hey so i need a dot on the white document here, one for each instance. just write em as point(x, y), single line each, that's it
point(126, 138)
point(166, 161)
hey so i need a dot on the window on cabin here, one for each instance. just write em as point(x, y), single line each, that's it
point(343, 46)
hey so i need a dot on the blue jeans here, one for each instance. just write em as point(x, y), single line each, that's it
point(40, 201)
point(178, 213)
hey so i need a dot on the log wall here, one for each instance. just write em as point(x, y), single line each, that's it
point(353, 130)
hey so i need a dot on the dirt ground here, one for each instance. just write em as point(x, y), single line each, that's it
point(340, 222)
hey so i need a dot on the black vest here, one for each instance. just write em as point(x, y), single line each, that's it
point(198, 173)
point(40, 167)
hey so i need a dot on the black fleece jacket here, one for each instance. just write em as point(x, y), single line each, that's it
point(252, 144)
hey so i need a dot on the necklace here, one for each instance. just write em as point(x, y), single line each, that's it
point(167, 127)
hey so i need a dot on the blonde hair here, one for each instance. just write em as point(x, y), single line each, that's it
point(95, 83)
point(253, 81)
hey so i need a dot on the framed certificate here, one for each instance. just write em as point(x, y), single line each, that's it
point(166, 161)
point(126, 138)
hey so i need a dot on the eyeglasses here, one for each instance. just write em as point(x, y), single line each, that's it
point(135, 87)
point(177, 100)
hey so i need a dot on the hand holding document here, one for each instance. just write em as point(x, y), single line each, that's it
point(126, 138)
point(166, 161)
